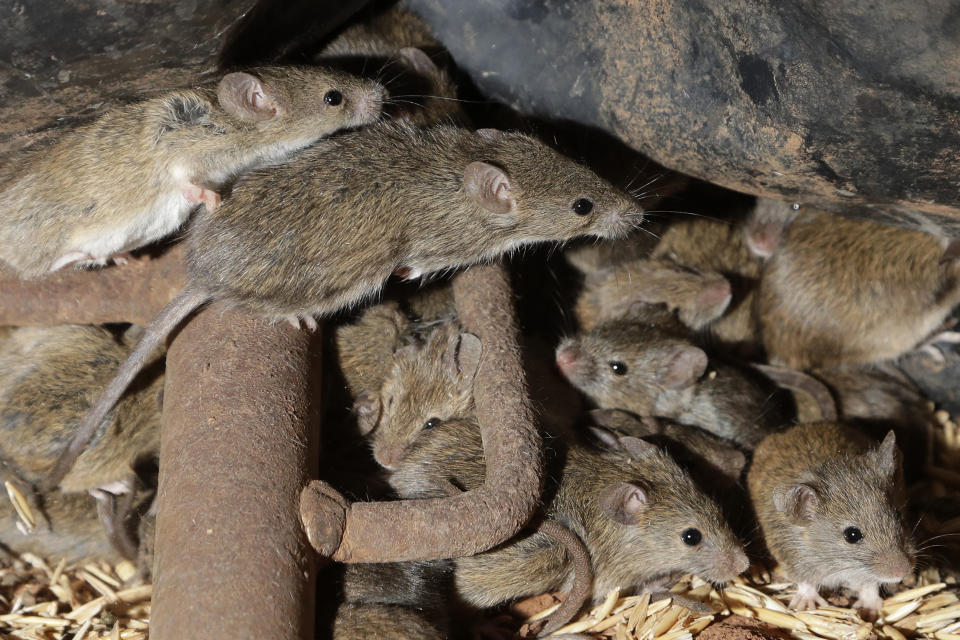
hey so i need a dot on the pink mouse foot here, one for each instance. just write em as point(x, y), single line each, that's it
point(199, 195)
point(869, 602)
point(806, 597)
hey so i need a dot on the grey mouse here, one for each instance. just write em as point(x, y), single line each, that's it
point(133, 176)
point(358, 207)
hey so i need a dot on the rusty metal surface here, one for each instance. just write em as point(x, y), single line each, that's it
point(850, 102)
point(134, 292)
point(473, 521)
point(239, 441)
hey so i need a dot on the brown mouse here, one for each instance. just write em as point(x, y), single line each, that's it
point(49, 377)
point(134, 175)
point(840, 291)
point(640, 515)
point(357, 207)
point(410, 599)
point(829, 505)
point(697, 297)
point(428, 383)
point(649, 368)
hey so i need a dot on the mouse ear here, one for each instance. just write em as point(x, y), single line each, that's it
point(886, 456)
point(243, 96)
point(622, 502)
point(797, 501)
point(683, 364)
point(420, 61)
point(462, 357)
point(368, 410)
point(606, 438)
point(489, 187)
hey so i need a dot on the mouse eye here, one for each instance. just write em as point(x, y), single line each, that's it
point(852, 535)
point(618, 368)
point(431, 423)
point(582, 206)
point(691, 537)
point(333, 98)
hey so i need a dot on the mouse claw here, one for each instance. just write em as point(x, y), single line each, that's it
point(807, 597)
point(323, 512)
point(306, 322)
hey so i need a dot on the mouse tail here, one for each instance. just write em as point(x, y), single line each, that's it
point(805, 383)
point(166, 321)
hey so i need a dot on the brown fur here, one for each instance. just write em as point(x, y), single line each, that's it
point(641, 552)
point(432, 381)
point(358, 207)
point(421, 91)
point(698, 298)
point(49, 377)
point(714, 246)
point(373, 621)
point(853, 483)
point(365, 348)
point(664, 376)
point(75, 531)
point(841, 291)
point(104, 184)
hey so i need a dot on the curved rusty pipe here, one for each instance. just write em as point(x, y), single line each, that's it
point(473, 521)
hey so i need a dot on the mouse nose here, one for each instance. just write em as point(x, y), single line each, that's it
point(898, 568)
point(388, 457)
point(568, 359)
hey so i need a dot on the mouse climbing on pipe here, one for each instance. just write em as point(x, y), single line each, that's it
point(133, 176)
point(325, 231)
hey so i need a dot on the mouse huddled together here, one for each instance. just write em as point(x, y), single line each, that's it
point(732, 378)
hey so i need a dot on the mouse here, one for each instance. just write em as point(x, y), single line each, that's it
point(133, 176)
point(646, 366)
point(825, 295)
point(340, 228)
point(766, 223)
point(429, 382)
point(49, 376)
point(829, 503)
point(639, 514)
point(698, 298)
point(875, 399)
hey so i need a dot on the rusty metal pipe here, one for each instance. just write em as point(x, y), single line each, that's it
point(239, 440)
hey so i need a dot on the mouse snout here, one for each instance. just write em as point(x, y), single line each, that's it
point(369, 103)
point(569, 359)
point(617, 223)
point(729, 564)
point(896, 568)
point(387, 456)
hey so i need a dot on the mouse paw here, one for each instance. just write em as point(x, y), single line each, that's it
point(807, 597)
point(72, 257)
point(302, 322)
point(199, 195)
point(323, 512)
point(869, 602)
